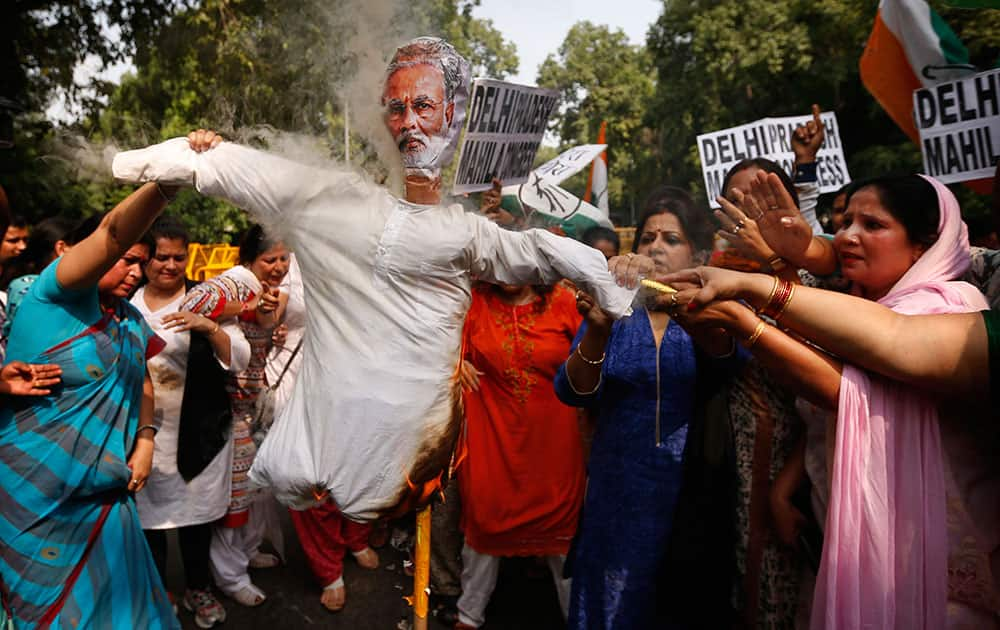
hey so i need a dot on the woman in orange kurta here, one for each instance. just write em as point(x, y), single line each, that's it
point(522, 482)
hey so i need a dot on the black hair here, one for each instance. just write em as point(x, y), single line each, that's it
point(911, 199)
point(766, 165)
point(4, 211)
point(599, 233)
point(698, 229)
point(84, 228)
point(170, 229)
point(17, 221)
point(254, 243)
point(41, 247)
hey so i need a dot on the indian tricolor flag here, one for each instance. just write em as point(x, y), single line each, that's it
point(910, 47)
point(597, 181)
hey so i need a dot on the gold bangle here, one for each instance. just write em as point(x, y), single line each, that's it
point(217, 328)
point(774, 289)
point(784, 305)
point(757, 332)
point(589, 361)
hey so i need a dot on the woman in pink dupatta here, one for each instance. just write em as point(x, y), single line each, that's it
point(895, 498)
point(914, 515)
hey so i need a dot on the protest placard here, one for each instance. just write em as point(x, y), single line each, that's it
point(506, 125)
point(770, 138)
point(959, 125)
point(562, 167)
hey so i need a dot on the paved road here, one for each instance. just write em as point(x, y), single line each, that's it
point(525, 598)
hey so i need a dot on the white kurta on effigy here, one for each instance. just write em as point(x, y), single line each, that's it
point(376, 408)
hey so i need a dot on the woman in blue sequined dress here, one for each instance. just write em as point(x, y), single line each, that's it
point(638, 376)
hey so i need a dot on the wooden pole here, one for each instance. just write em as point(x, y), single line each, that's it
point(422, 569)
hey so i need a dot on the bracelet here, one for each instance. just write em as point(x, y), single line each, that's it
point(211, 334)
point(780, 296)
point(774, 289)
point(586, 360)
point(155, 428)
point(757, 332)
point(166, 197)
point(569, 380)
point(784, 305)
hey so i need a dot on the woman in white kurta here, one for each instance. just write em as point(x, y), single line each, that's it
point(170, 501)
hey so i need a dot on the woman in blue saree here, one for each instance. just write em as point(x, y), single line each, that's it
point(72, 551)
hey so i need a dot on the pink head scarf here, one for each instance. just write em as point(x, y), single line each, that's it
point(885, 555)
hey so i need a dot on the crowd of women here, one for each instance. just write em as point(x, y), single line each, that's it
point(797, 434)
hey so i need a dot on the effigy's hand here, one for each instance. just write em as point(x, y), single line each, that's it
point(631, 268)
point(202, 140)
point(22, 379)
point(778, 218)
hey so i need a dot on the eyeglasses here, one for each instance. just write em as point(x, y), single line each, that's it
point(423, 107)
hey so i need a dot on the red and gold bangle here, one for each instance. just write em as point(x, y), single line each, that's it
point(780, 296)
point(788, 300)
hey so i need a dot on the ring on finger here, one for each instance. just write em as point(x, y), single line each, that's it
point(736, 230)
point(673, 300)
point(741, 222)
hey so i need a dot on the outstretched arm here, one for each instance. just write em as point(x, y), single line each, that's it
point(943, 353)
point(796, 365)
point(540, 257)
point(84, 264)
point(263, 183)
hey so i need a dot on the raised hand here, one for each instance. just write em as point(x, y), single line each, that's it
point(808, 138)
point(778, 218)
point(741, 231)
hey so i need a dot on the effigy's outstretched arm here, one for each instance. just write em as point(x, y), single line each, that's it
point(265, 184)
point(540, 257)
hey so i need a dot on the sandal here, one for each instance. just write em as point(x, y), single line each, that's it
point(249, 596)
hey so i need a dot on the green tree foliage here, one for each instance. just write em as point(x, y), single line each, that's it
point(721, 63)
point(42, 41)
point(239, 66)
point(602, 77)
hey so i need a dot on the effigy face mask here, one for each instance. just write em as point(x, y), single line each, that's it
point(424, 98)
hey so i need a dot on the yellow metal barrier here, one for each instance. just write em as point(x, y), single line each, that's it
point(208, 261)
